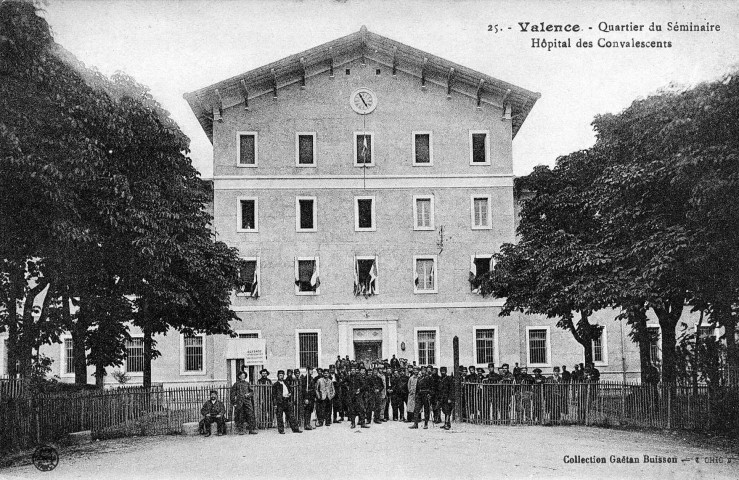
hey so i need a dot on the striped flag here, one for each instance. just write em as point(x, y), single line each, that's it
point(373, 277)
point(356, 276)
point(473, 276)
point(315, 282)
point(255, 286)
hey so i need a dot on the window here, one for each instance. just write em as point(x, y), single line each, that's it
point(426, 345)
point(479, 146)
point(486, 345)
point(248, 285)
point(307, 281)
point(365, 276)
point(480, 265)
point(305, 214)
point(422, 150)
point(193, 354)
point(423, 212)
point(309, 347)
point(305, 148)
point(247, 217)
point(246, 147)
point(600, 349)
point(364, 214)
point(249, 334)
point(135, 355)
point(364, 149)
point(538, 346)
point(67, 356)
point(655, 353)
point(480, 212)
point(424, 274)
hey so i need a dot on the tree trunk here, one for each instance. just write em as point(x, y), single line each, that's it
point(12, 345)
point(28, 333)
point(147, 357)
point(637, 318)
point(99, 375)
point(668, 317)
point(732, 349)
point(588, 350)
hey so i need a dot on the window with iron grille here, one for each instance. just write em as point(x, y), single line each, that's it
point(425, 274)
point(135, 355)
point(598, 348)
point(485, 343)
point(481, 212)
point(422, 148)
point(247, 149)
point(5, 369)
point(247, 214)
point(363, 149)
point(308, 349)
point(424, 211)
point(537, 346)
point(426, 347)
point(68, 355)
point(193, 354)
point(306, 146)
point(479, 148)
point(249, 335)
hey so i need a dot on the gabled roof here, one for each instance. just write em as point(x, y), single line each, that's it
point(208, 102)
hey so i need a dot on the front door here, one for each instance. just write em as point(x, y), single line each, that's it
point(367, 352)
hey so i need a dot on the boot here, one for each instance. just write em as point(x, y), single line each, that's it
point(364, 425)
point(426, 425)
point(307, 427)
point(415, 425)
point(354, 425)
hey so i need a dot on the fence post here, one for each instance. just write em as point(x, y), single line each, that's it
point(669, 407)
point(587, 404)
point(457, 380)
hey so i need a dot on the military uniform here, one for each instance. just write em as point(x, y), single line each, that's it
point(445, 397)
point(423, 400)
point(538, 395)
point(242, 398)
point(357, 386)
point(307, 389)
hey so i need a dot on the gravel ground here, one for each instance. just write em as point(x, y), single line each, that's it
point(392, 450)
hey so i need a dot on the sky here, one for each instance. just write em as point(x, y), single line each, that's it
point(175, 47)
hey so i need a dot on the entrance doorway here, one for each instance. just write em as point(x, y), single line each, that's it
point(367, 352)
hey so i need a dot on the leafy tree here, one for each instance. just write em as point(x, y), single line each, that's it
point(556, 268)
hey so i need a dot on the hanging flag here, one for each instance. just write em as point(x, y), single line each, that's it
point(373, 277)
point(415, 276)
point(356, 276)
point(365, 149)
point(255, 286)
point(315, 282)
point(297, 273)
point(473, 276)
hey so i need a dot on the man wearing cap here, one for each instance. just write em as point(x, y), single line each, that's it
point(282, 397)
point(554, 395)
point(376, 390)
point(308, 392)
point(423, 400)
point(435, 403)
point(445, 396)
point(538, 393)
point(214, 410)
point(506, 391)
point(242, 398)
point(358, 387)
point(324, 394)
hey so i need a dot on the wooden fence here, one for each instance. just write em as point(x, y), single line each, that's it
point(602, 403)
point(26, 421)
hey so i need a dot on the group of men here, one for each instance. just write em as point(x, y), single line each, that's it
point(348, 390)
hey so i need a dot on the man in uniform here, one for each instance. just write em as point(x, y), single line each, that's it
point(242, 398)
point(213, 410)
point(538, 394)
point(337, 403)
point(282, 397)
point(555, 395)
point(506, 391)
point(435, 404)
point(423, 400)
point(374, 397)
point(494, 392)
point(445, 397)
point(308, 392)
point(359, 390)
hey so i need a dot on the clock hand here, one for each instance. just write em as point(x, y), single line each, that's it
point(362, 99)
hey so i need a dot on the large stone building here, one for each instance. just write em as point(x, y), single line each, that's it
point(367, 183)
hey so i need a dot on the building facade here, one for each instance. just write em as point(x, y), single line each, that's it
point(367, 184)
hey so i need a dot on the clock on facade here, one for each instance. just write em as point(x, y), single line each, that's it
point(363, 101)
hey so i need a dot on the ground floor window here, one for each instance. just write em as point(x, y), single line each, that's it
point(308, 346)
point(484, 345)
point(135, 355)
point(426, 341)
point(68, 356)
point(538, 345)
point(193, 353)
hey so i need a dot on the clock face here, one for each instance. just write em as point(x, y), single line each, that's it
point(363, 101)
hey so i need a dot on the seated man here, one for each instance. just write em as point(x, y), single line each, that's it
point(214, 411)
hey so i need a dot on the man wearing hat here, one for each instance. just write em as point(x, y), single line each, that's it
point(555, 395)
point(213, 410)
point(445, 396)
point(264, 377)
point(325, 393)
point(282, 397)
point(506, 391)
point(423, 400)
point(308, 392)
point(242, 398)
point(357, 385)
